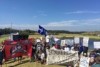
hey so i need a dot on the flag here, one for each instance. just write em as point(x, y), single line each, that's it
point(12, 49)
point(42, 31)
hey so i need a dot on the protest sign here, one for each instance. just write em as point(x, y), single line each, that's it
point(84, 62)
point(85, 41)
point(47, 38)
point(69, 42)
point(97, 45)
point(76, 40)
point(63, 42)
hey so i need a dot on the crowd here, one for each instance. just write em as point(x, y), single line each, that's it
point(40, 51)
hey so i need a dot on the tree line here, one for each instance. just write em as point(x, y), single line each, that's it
point(55, 32)
point(31, 32)
point(9, 30)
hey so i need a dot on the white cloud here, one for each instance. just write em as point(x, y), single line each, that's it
point(71, 23)
point(5, 25)
point(83, 12)
point(19, 26)
point(90, 22)
point(61, 23)
point(85, 24)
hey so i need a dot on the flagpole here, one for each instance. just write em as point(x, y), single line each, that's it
point(11, 31)
point(11, 28)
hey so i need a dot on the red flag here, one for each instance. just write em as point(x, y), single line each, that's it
point(14, 49)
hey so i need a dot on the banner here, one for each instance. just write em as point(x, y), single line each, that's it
point(15, 49)
point(60, 57)
point(84, 62)
point(97, 45)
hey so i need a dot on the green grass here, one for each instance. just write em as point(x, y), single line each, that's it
point(69, 36)
point(27, 63)
point(3, 37)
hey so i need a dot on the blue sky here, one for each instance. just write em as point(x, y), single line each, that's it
point(72, 15)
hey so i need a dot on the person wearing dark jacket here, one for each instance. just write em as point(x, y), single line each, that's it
point(33, 52)
point(1, 54)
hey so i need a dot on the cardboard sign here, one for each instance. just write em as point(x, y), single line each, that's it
point(63, 42)
point(84, 62)
point(97, 45)
point(47, 39)
point(76, 40)
point(85, 41)
point(69, 41)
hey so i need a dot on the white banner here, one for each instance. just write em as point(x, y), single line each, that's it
point(97, 45)
point(60, 57)
point(84, 62)
point(76, 40)
point(85, 41)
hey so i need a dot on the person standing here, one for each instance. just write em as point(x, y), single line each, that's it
point(85, 46)
point(80, 49)
point(67, 49)
point(97, 62)
point(33, 53)
point(1, 54)
point(42, 57)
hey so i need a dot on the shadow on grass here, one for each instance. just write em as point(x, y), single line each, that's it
point(23, 62)
point(12, 60)
point(67, 64)
point(62, 64)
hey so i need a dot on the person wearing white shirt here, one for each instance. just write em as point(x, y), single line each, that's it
point(66, 49)
point(42, 57)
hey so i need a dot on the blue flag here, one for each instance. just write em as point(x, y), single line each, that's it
point(42, 31)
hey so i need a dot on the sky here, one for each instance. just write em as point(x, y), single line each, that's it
point(71, 15)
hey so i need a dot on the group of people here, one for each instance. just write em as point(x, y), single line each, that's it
point(40, 50)
point(94, 58)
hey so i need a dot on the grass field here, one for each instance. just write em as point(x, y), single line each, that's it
point(68, 36)
point(26, 62)
point(3, 37)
